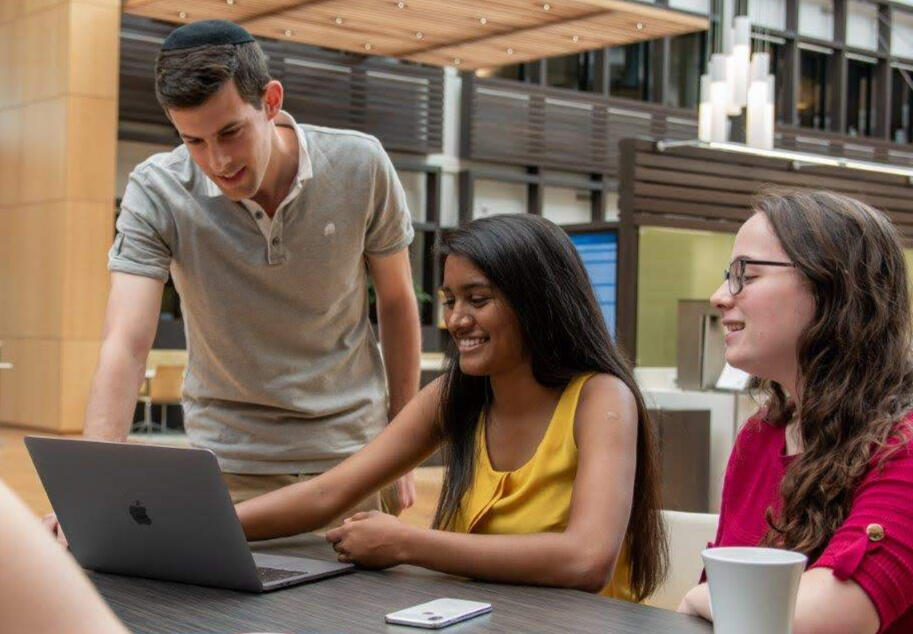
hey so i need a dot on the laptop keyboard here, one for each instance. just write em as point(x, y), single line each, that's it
point(269, 575)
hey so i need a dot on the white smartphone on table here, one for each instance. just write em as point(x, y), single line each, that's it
point(438, 613)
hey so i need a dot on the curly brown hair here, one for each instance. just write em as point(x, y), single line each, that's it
point(854, 359)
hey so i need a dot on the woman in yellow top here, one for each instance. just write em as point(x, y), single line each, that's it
point(551, 475)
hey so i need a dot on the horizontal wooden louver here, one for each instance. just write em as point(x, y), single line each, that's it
point(401, 104)
point(523, 124)
point(696, 188)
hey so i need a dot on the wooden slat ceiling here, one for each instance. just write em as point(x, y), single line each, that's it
point(470, 34)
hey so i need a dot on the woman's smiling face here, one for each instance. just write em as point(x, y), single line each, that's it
point(766, 319)
point(483, 325)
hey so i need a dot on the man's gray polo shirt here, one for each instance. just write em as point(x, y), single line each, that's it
point(284, 373)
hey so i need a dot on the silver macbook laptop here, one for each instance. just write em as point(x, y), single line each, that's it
point(158, 512)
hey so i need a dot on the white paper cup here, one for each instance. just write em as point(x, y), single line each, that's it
point(753, 590)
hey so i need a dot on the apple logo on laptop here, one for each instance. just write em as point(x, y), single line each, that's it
point(138, 513)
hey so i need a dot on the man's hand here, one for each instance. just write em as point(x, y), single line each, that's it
point(372, 540)
point(405, 490)
point(50, 522)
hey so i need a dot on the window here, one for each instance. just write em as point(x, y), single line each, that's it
point(862, 25)
point(768, 13)
point(813, 82)
point(860, 98)
point(687, 62)
point(902, 106)
point(816, 19)
point(902, 34)
point(629, 71)
point(577, 72)
point(695, 6)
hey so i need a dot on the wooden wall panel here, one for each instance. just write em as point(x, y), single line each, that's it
point(58, 135)
point(692, 187)
point(44, 53)
point(30, 6)
point(31, 390)
point(93, 48)
point(10, 63)
point(88, 235)
point(34, 270)
point(10, 155)
point(89, 130)
point(10, 10)
point(77, 366)
point(44, 126)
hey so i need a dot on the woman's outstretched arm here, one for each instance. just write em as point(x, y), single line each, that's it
point(403, 444)
point(583, 556)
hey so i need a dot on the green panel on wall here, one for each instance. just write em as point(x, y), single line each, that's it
point(674, 264)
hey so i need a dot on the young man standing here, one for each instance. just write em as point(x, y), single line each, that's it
point(269, 229)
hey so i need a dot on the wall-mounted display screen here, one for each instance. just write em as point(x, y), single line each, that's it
point(599, 252)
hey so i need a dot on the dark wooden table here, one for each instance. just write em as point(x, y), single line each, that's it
point(358, 602)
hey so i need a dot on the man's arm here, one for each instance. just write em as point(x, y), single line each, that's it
point(131, 320)
point(130, 323)
point(400, 338)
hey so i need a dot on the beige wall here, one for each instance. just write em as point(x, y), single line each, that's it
point(58, 132)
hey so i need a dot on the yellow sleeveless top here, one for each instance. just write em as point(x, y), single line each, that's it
point(536, 498)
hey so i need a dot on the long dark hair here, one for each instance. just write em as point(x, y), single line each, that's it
point(854, 359)
point(537, 269)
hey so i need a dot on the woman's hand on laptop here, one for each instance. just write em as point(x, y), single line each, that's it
point(371, 540)
point(50, 522)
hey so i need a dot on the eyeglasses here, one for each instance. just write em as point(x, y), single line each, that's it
point(735, 274)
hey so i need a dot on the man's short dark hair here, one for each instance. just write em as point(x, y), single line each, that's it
point(187, 77)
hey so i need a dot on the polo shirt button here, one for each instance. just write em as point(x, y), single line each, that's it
point(275, 242)
point(258, 215)
point(875, 532)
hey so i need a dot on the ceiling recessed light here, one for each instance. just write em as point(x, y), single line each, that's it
point(457, 61)
point(401, 5)
point(546, 7)
point(640, 26)
point(419, 35)
point(182, 15)
point(339, 20)
point(289, 33)
point(575, 38)
point(230, 3)
point(483, 20)
point(368, 46)
point(510, 51)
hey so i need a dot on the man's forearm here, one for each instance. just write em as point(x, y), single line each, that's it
point(112, 399)
point(401, 342)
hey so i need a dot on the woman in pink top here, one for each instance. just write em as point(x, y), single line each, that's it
point(816, 306)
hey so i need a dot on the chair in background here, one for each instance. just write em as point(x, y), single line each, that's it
point(688, 535)
point(162, 387)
